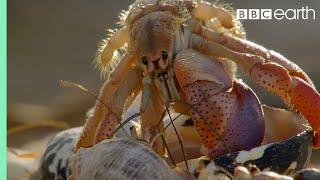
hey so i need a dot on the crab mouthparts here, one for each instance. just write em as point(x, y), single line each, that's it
point(169, 89)
point(158, 65)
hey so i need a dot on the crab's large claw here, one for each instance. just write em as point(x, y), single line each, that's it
point(269, 69)
point(226, 114)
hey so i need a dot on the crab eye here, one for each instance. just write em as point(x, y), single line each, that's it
point(164, 55)
point(144, 60)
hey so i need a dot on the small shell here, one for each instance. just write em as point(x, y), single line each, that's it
point(310, 173)
point(271, 176)
point(253, 173)
point(284, 152)
point(282, 157)
point(120, 159)
point(55, 160)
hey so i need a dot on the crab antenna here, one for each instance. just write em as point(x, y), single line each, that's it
point(213, 130)
point(166, 145)
point(124, 123)
point(69, 84)
point(190, 108)
point(172, 122)
point(179, 139)
point(162, 138)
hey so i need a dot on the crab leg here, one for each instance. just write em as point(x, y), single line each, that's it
point(205, 11)
point(293, 87)
point(151, 117)
point(244, 46)
point(122, 83)
point(130, 85)
point(146, 93)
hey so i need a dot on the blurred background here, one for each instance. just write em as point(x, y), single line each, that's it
point(53, 40)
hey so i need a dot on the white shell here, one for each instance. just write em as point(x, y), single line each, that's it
point(120, 159)
point(55, 160)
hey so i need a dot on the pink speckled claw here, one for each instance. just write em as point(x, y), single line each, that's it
point(227, 120)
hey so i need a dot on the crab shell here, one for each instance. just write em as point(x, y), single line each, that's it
point(120, 159)
point(284, 150)
point(55, 162)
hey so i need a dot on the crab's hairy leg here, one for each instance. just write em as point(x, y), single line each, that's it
point(205, 11)
point(245, 46)
point(129, 85)
point(292, 89)
point(116, 41)
point(107, 92)
point(150, 118)
point(146, 93)
point(224, 112)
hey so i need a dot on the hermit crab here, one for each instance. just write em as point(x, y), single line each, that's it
point(181, 56)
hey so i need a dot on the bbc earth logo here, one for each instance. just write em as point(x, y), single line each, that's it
point(303, 13)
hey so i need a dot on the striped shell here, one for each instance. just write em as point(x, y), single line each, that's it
point(55, 160)
point(122, 159)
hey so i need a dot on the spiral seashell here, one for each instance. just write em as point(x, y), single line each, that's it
point(55, 160)
point(121, 159)
point(310, 173)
